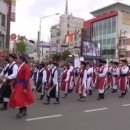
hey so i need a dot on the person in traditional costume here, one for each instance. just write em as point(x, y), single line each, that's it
point(115, 76)
point(89, 69)
point(109, 75)
point(9, 80)
point(81, 87)
point(2, 74)
point(65, 80)
point(124, 78)
point(22, 95)
point(41, 80)
point(53, 88)
point(101, 79)
point(71, 81)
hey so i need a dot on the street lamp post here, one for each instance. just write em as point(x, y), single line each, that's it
point(39, 33)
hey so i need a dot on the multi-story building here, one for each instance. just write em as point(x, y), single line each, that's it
point(68, 24)
point(3, 25)
point(44, 51)
point(110, 26)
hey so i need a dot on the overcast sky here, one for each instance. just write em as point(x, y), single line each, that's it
point(28, 13)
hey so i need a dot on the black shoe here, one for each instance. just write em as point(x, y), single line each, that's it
point(122, 95)
point(83, 100)
point(56, 102)
point(41, 97)
point(65, 95)
point(99, 96)
point(20, 115)
point(46, 103)
point(102, 95)
point(3, 109)
point(114, 90)
point(90, 92)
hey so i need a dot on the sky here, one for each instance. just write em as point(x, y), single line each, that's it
point(28, 13)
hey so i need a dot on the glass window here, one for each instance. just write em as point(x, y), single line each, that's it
point(113, 24)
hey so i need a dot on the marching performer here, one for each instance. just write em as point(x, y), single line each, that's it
point(81, 84)
point(109, 75)
point(41, 80)
point(71, 82)
point(124, 78)
point(9, 81)
point(53, 88)
point(22, 94)
point(2, 74)
point(65, 80)
point(101, 79)
point(115, 77)
point(89, 69)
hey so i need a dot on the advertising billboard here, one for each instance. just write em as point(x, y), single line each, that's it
point(91, 49)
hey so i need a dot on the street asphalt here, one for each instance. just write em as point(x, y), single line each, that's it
point(112, 113)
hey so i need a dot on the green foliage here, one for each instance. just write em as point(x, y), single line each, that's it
point(65, 55)
point(56, 57)
point(21, 46)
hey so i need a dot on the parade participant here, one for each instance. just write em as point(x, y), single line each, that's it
point(49, 70)
point(22, 94)
point(115, 76)
point(101, 79)
point(53, 90)
point(65, 80)
point(71, 82)
point(2, 74)
point(9, 80)
point(123, 78)
point(89, 78)
point(109, 75)
point(34, 76)
point(41, 80)
point(81, 83)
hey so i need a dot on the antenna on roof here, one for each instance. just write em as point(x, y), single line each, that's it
point(66, 7)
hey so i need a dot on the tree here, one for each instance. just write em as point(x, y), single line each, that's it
point(21, 45)
point(56, 57)
point(65, 55)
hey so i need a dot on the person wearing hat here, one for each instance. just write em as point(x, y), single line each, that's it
point(22, 95)
point(53, 88)
point(9, 78)
point(123, 78)
point(109, 75)
point(71, 81)
point(115, 76)
point(101, 79)
point(89, 69)
point(65, 80)
point(81, 84)
point(41, 80)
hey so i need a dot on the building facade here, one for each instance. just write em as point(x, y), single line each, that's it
point(109, 27)
point(3, 25)
point(68, 24)
point(44, 51)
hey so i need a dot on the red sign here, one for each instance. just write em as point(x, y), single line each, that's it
point(13, 36)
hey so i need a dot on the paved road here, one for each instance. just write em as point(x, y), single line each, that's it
point(111, 113)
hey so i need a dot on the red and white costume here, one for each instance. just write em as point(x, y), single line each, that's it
point(65, 80)
point(71, 78)
point(109, 76)
point(115, 77)
point(81, 84)
point(102, 78)
point(89, 78)
point(19, 98)
point(124, 78)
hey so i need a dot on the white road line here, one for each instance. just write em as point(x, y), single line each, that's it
point(44, 117)
point(98, 109)
point(126, 105)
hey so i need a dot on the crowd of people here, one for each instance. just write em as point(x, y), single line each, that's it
point(49, 81)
